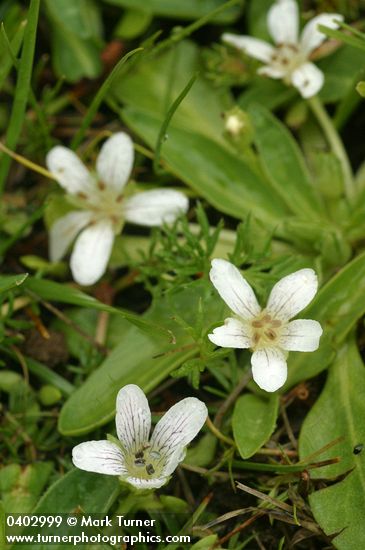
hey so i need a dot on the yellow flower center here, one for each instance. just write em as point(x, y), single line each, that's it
point(265, 331)
point(287, 57)
point(146, 463)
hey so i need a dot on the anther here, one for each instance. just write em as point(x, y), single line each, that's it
point(270, 334)
point(150, 469)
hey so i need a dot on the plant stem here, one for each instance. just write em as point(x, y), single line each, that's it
point(335, 142)
point(22, 87)
point(219, 434)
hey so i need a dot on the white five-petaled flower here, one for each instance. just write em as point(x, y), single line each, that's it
point(103, 208)
point(268, 332)
point(289, 58)
point(143, 461)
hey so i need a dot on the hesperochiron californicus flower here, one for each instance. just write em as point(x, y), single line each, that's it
point(143, 461)
point(268, 331)
point(289, 58)
point(103, 206)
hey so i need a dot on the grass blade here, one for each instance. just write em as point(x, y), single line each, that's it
point(22, 88)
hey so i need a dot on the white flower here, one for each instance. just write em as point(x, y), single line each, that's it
point(289, 58)
point(103, 207)
point(143, 461)
point(267, 332)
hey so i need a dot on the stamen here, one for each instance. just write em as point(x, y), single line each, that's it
point(155, 454)
point(270, 334)
point(101, 185)
point(256, 338)
point(139, 454)
point(139, 462)
point(266, 318)
point(82, 195)
point(150, 469)
point(257, 324)
point(276, 323)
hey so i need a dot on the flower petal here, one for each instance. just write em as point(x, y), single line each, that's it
point(283, 22)
point(140, 483)
point(272, 72)
point(175, 430)
point(70, 172)
point(301, 335)
point(91, 253)
point(250, 46)
point(102, 457)
point(64, 231)
point(133, 418)
point(308, 79)
point(311, 37)
point(269, 369)
point(234, 289)
point(231, 335)
point(292, 294)
point(115, 161)
point(155, 207)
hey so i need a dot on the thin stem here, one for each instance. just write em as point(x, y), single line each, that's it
point(232, 398)
point(27, 163)
point(335, 143)
point(219, 434)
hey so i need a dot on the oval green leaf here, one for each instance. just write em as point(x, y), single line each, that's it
point(89, 492)
point(253, 422)
point(337, 306)
point(140, 358)
point(340, 412)
point(284, 164)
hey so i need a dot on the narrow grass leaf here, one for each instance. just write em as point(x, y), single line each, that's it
point(22, 88)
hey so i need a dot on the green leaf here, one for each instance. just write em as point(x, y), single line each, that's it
point(284, 163)
point(91, 493)
point(342, 70)
point(20, 487)
point(189, 9)
point(165, 76)
point(81, 18)
point(49, 290)
point(257, 19)
point(253, 422)
point(206, 543)
point(76, 38)
point(133, 24)
point(10, 281)
point(337, 306)
point(140, 358)
point(224, 180)
point(340, 412)
point(271, 93)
